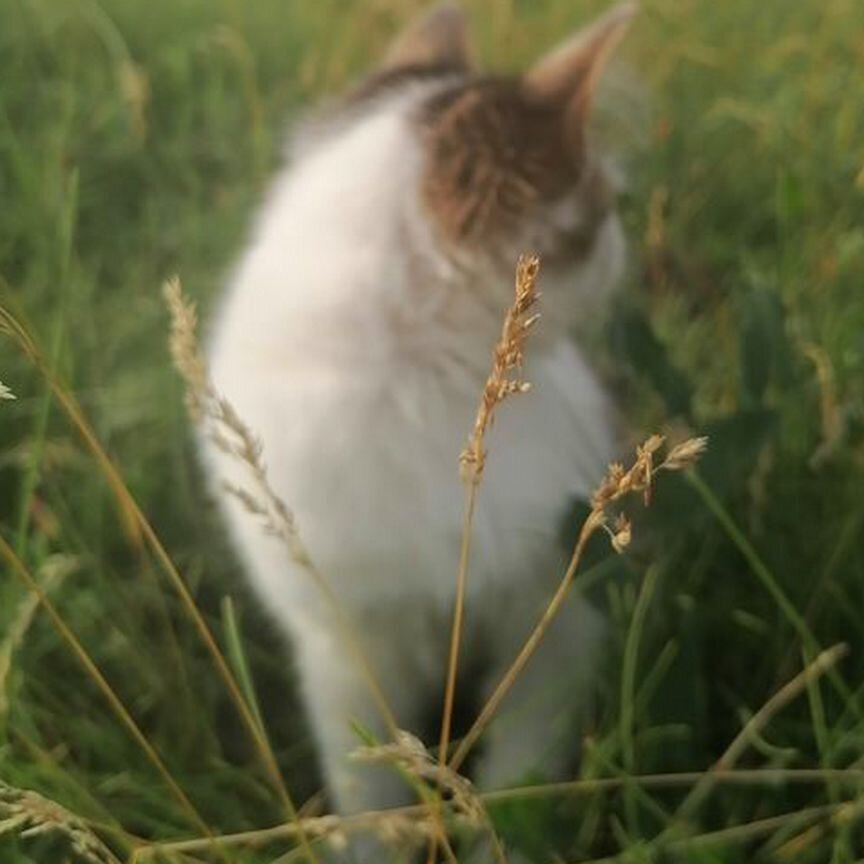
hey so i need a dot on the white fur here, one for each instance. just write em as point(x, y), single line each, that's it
point(356, 346)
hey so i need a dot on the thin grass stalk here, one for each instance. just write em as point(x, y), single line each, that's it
point(618, 483)
point(608, 767)
point(503, 382)
point(457, 625)
point(770, 583)
point(821, 734)
point(19, 625)
point(791, 690)
point(507, 359)
point(843, 822)
point(742, 833)
point(786, 694)
point(628, 689)
point(31, 473)
point(509, 679)
point(236, 654)
point(847, 777)
point(846, 542)
point(139, 525)
point(318, 826)
point(322, 825)
point(47, 760)
point(8, 323)
point(455, 639)
point(117, 706)
point(109, 823)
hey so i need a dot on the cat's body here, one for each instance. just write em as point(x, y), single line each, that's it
point(354, 340)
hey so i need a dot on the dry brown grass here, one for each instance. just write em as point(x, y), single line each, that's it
point(503, 382)
point(29, 814)
point(618, 483)
point(226, 429)
point(507, 359)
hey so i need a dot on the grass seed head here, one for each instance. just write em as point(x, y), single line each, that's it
point(29, 814)
point(183, 342)
point(411, 756)
point(225, 428)
point(621, 533)
point(620, 482)
point(685, 454)
point(507, 360)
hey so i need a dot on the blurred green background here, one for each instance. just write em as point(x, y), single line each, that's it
point(135, 140)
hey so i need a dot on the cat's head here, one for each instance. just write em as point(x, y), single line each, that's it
point(508, 165)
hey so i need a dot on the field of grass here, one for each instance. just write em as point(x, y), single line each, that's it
point(135, 139)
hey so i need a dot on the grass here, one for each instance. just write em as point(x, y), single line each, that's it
point(134, 141)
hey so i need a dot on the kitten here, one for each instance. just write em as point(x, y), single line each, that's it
point(355, 339)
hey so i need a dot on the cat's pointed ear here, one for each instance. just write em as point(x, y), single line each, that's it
point(567, 76)
point(440, 37)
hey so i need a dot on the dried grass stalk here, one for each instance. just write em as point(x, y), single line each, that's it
point(410, 755)
point(507, 359)
point(226, 428)
point(503, 381)
point(54, 569)
point(29, 814)
point(618, 483)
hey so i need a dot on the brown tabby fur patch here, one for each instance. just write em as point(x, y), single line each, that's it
point(493, 156)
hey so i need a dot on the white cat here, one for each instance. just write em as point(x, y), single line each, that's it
point(355, 338)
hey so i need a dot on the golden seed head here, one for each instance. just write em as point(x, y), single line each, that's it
point(596, 519)
point(685, 454)
point(33, 814)
point(621, 534)
point(226, 429)
point(183, 342)
point(651, 445)
point(507, 359)
point(619, 482)
point(410, 754)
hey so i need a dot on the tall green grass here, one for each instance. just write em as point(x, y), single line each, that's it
point(135, 139)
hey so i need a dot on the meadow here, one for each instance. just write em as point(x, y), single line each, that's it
point(135, 140)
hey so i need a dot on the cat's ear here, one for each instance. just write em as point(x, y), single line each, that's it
point(439, 37)
point(567, 76)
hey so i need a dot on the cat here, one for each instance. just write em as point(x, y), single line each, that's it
point(355, 337)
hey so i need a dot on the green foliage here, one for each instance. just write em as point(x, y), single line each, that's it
point(135, 139)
